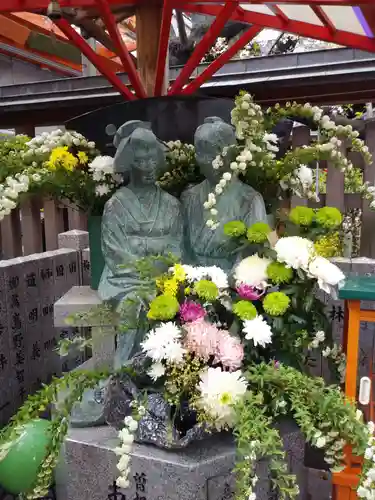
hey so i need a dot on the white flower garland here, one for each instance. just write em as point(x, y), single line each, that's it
point(260, 148)
point(126, 436)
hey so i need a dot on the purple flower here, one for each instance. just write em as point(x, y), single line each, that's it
point(191, 311)
point(276, 364)
point(248, 292)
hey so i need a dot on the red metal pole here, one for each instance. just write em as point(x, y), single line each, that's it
point(204, 45)
point(93, 57)
point(218, 63)
point(319, 12)
point(163, 46)
point(123, 52)
point(296, 27)
point(41, 5)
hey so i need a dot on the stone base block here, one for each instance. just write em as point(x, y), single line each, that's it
point(200, 472)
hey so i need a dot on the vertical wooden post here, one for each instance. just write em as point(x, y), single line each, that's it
point(77, 219)
point(368, 215)
point(10, 231)
point(31, 223)
point(335, 196)
point(148, 22)
point(53, 223)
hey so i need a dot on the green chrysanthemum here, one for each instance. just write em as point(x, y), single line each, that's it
point(206, 290)
point(163, 307)
point(235, 228)
point(245, 310)
point(258, 232)
point(301, 216)
point(276, 303)
point(328, 217)
point(278, 273)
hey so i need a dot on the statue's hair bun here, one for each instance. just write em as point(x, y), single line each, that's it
point(127, 129)
point(213, 119)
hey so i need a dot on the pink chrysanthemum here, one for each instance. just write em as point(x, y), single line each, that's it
point(191, 311)
point(229, 351)
point(206, 340)
point(202, 338)
point(248, 292)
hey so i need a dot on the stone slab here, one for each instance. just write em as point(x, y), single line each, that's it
point(78, 299)
point(203, 471)
point(81, 299)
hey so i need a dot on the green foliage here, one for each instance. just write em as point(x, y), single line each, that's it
point(73, 384)
point(11, 158)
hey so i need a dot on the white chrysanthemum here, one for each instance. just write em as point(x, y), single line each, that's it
point(156, 371)
point(193, 273)
point(219, 392)
point(102, 164)
point(163, 343)
point(294, 251)
point(304, 175)
point(218, 276)
point(252, 271)
point(326, 273)
point(258, 330)
point(102, 190)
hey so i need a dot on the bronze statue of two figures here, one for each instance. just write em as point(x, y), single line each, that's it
point(142, 220)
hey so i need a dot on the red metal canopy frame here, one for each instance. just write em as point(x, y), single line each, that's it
point(258, 14)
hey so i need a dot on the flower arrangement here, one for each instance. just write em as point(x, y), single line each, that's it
point(235, 347)
point(64, 166)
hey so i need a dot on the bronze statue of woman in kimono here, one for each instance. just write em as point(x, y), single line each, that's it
point(139, 220)
point(239, 201)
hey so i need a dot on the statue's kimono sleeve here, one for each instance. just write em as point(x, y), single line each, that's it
point(257, 212)
point(119, 279)
point(177, 230)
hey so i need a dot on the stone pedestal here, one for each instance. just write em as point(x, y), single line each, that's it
point(202, 471)
point(81, 299)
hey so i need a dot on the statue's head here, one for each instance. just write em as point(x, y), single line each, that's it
point(209, 140)
point(139, 156)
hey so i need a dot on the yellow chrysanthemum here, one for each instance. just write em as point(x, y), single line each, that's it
point(60, 157)
point(82, 157)
point(160, 284)
point(170, 287)
point(179, 273)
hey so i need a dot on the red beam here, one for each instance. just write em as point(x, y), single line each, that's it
point(280, 14)
point(218, 63)
point(163, 46)
point(369, 14)
point(319, 12)
point(296, 27)
point(93, 57)
point(223, 15)
point(41, 5)
point(122, 50)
